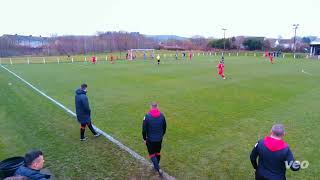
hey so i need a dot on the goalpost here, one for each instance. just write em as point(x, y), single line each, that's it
point(132, 53)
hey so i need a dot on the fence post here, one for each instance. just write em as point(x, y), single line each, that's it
point(72, 59)
point(10, 61)
point(283, 56)
point(294, 56)
point(229, 54)
point(106, 58)
point(85, 59)
point(237, 54)
point(44, 60)
point(254, 54)
point(28, 61)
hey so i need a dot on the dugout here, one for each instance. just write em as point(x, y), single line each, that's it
point(315, 48)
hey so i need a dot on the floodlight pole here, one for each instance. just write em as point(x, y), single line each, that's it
point(295, 27)
point(224, 38)
point(85, 45)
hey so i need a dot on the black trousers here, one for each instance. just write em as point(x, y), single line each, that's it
point(154, 148)
point(259, 177)
point(83, 128)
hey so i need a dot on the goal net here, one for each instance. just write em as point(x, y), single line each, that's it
point(140, 53)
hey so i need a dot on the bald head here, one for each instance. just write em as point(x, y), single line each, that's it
point(154, 105)
point(278, 130)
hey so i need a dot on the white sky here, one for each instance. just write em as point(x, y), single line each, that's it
point(269, 18)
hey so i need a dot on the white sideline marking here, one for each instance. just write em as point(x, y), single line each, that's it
point(109, 137)
point(306, 72)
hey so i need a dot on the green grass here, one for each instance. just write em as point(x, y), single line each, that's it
point(122, 55)
point(212, 124)
point(29, 121)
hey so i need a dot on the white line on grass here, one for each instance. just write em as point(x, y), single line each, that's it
point(109, 137)
point(306, 72)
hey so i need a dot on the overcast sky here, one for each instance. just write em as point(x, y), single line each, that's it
point(271, 18)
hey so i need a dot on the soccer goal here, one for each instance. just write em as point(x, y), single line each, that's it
point(144, 53)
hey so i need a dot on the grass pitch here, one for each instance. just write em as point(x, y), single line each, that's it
point(212, 123)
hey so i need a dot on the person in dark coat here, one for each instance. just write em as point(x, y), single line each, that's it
point(34, 162)
point(16, 178)
point(153, 129)
point(274, 155)
point(83, 112)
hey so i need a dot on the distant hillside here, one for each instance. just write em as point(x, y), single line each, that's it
point(166, 37)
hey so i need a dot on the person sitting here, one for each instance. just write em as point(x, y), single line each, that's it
point(34, 162)
point(16, 178)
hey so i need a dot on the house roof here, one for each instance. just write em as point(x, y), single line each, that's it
point(25, 38)
point(315, 42)
point(272, 41)
point(285, 41)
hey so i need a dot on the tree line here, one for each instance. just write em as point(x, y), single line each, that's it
point(122, 41)
point(261, 43)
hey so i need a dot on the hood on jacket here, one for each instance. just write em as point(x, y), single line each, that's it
point(274, 144)
point(80, 91)
point(155, 112)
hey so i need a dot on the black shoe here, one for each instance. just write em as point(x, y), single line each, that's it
point(83, 139)
point(160, 172)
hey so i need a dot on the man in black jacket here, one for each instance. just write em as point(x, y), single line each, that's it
point(153, 129)
point(34, 162)
point(274, 156)
point(83, 111)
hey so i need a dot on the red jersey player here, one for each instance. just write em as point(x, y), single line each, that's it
point(271, 58)
point(266, 54)
point(220, 67)
point(94, 60)
point(190, 56)
point(111, 59)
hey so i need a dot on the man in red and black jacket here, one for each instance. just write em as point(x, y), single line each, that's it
point(274, 155)
point(153, 129)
